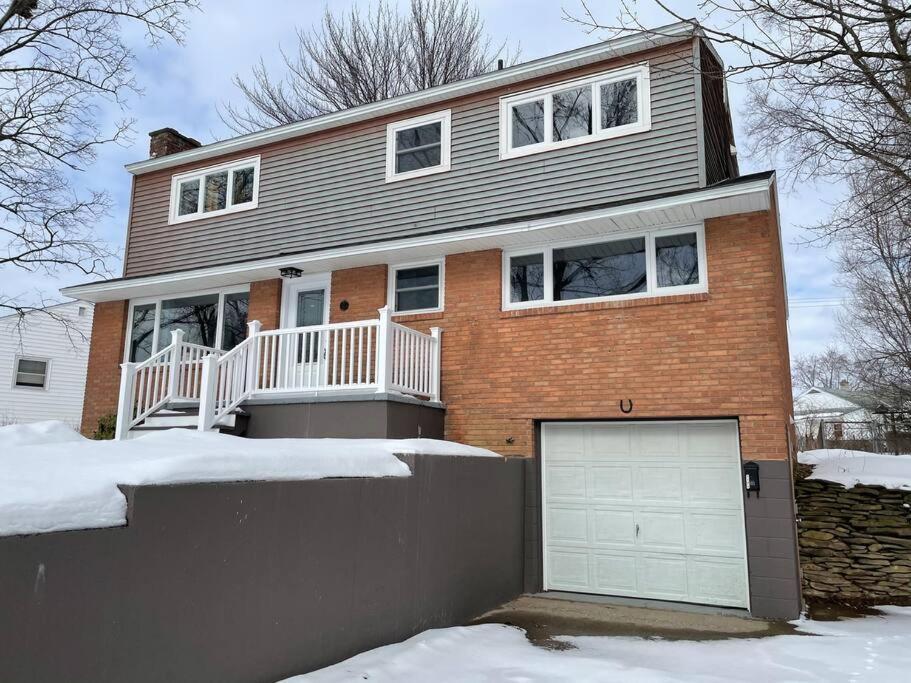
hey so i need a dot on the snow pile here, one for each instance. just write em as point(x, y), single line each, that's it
point(37, 433)
point(869, 649)
point(67, 482)
point(850, 468)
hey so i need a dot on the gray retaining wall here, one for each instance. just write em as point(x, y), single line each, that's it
point(254, 582)
point(855, 544)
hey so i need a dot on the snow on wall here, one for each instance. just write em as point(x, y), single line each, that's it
point(44, 338)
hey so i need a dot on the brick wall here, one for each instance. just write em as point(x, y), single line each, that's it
point(363, 288)
point(102, 382)
point(721, 354)
point(266, 303)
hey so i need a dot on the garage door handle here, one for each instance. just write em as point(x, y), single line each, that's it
point(637, 531)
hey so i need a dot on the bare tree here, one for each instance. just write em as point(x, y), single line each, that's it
point(60, 62)
point(826, 369)
point(360, 58)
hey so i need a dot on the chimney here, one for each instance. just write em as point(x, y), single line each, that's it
point(167, 141)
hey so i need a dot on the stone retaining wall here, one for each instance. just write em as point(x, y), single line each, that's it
point(855, 544)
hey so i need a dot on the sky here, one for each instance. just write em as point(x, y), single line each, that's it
point(184, 84)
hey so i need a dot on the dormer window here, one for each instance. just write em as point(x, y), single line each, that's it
point(599, 107)
point(215, 190)
point(418, 147)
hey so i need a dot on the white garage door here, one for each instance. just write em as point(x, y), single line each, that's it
point(649, 510)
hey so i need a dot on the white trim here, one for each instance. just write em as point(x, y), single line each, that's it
point(390, 289)
point(108, 290)
point(652, 290)
point(639, 72)
point(290, 287)
point(200, 175)
point(617, 47)
point(444, 118)
point(37, 359)
point(141, 301)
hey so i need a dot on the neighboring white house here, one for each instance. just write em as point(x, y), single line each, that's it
point(853, 413)
point(43, 363)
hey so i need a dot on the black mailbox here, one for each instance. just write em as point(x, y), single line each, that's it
point(751, 477)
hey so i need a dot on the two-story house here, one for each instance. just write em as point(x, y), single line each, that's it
point(557, 260)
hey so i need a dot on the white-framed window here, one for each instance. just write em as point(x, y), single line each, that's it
point(215, 318)
point(416, 287)
point(31, 373)
point(419, 146)
point(616, 267)
point(598, 107)
point(214, 191)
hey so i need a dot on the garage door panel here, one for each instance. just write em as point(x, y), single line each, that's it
point(717, 581)
point(659, 484)
point(714, 486)
point(563, 443)
point(612, 483)
point(568, 569)
point(657, 440)
point(610, 442)
point(662, 577)
point(567, 525)
point(662, 530)
point(715, 533)
point(566, 482)
point(710, 441)
point(616, 527)
point(614, 573)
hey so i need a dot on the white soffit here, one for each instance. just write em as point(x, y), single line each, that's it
point(686, 208)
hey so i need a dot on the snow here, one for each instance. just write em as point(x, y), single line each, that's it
point(850, 468)
point(869, 649)
point(53, 479)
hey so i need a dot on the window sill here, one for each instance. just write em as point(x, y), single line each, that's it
point(416, 317)
point(606, 305)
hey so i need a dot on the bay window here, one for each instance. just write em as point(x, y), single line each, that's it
point(654, 263)
point(215, 319)
point(216, 190)
point(596, 107)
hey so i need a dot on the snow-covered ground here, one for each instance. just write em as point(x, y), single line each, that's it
point(868, 649)
point(53, 479)
point(850, 468)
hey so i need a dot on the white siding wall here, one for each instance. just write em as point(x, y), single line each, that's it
point(43, 338)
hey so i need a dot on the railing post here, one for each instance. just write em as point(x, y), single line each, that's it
point(384, 351)
point(176, 358)
point(435, 367)
point(254, 327)
point(207, 392)
point(125, 400)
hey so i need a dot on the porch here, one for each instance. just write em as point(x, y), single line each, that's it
point(337, 362)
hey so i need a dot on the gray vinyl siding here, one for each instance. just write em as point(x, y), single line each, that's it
point(331, 192)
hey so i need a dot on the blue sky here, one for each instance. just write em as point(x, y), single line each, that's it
point(183, 85)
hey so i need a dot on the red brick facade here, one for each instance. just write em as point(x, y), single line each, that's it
point(102, 383)
point(721, 354)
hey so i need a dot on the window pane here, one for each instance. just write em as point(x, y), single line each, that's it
point(189, 198)
point(603, 269)
point(528, 123)
point(310, 308)
point(417, 288)
point(197, 316)
point(419, 136)
point(31, 373)
point(242, 192)
point(216, 191)
point(418, 147)
point(526, 278)
point(142, 331)
point(572, 113)
point(677, 259)
point(619, 104)
point(412, 161)
point(234, 328)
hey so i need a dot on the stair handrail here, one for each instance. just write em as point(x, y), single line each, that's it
point(228, 379)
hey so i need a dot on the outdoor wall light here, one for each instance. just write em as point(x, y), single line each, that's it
point(751, 478)
point(290, 272)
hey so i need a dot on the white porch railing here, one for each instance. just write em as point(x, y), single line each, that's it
point(370, 355)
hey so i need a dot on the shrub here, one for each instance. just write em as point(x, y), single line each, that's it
point(107, 427)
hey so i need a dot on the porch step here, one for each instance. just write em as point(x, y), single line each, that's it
point(188, 418)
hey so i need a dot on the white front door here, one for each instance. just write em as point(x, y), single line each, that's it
point(306, 304)
point(645, 509)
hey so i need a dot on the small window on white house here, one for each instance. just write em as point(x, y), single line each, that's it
point(596, 107)
point(417, 289)
point(418, 146)
point(31, 372)
point(214, 191)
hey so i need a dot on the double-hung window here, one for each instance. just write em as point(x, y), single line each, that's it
point(416, 288)
point(214, 319)
point(655, 263)
point(31, 372)
point(214, 191)
point(418, 146)
point(598, 107)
